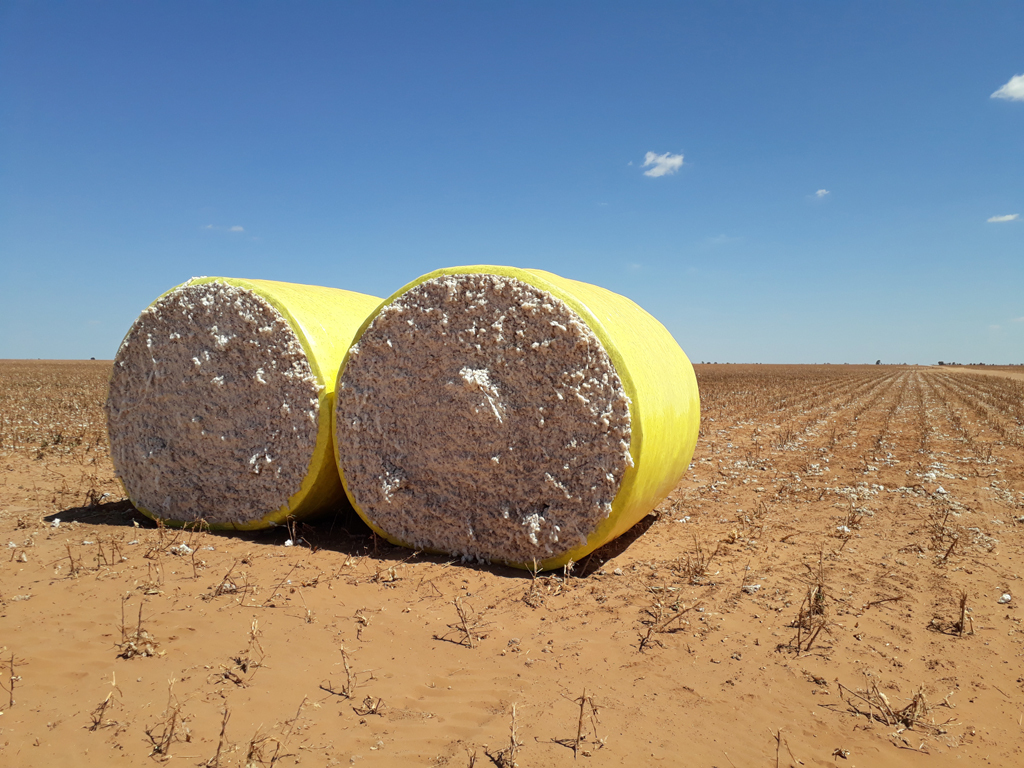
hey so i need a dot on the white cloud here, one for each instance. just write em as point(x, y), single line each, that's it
point(821, 193)
point(1013, 90)
point(1018, 319)
point(663, 165)
point(1001, 219)
point(236, 228)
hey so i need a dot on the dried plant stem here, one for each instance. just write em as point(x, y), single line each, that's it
point(579, 725)
point(101, 710)
point(76, 565)
point(964, 618)
point(11, 681)
point(659, 623)
point(952, 546)
point(350, 683)
point(214, 761)
point(911, 716)
point(281, 583)
point(161, 742)
point(506, 758)
point(351, 679)
point(226, 584)
point(288, 732)
point(514, 743)
point(137, 643)
point(464, 621)
point(882, 601)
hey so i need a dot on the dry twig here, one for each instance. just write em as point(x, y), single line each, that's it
point(214, 762)
point(657, 622)
point(874, 705)
point(506, 758)
point(138, 642)
point(171, 729)
point(468, 625)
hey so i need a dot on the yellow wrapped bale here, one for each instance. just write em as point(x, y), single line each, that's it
point(221, 400)
point(511, 415)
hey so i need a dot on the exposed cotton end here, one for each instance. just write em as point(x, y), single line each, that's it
point(213, 407)
point(479, 415)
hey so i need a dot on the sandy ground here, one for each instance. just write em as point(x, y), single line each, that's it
point(796, 601)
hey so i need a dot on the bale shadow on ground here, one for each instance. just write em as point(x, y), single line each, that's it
point(348, 534)
point(117, 513)
point(340, 529)
point(596, 559)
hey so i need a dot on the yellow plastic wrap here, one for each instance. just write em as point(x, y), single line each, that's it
point(325, 321)
point(655, 374)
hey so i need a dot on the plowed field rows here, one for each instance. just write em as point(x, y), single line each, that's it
point(835, 581)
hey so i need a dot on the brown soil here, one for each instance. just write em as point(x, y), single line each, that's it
point(796, 601)
point(1010, 371)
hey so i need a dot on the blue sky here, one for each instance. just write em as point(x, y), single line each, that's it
point(360, 145)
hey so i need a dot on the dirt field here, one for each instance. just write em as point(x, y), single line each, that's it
point(825, 587)
point(1010, 371)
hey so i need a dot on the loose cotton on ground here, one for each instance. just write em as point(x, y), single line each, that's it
point(512, 415)
point(220, 401)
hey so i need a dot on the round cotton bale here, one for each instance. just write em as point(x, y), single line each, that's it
point(512, 416)
point(221, 398)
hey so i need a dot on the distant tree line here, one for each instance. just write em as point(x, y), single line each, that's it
point(974, 364)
